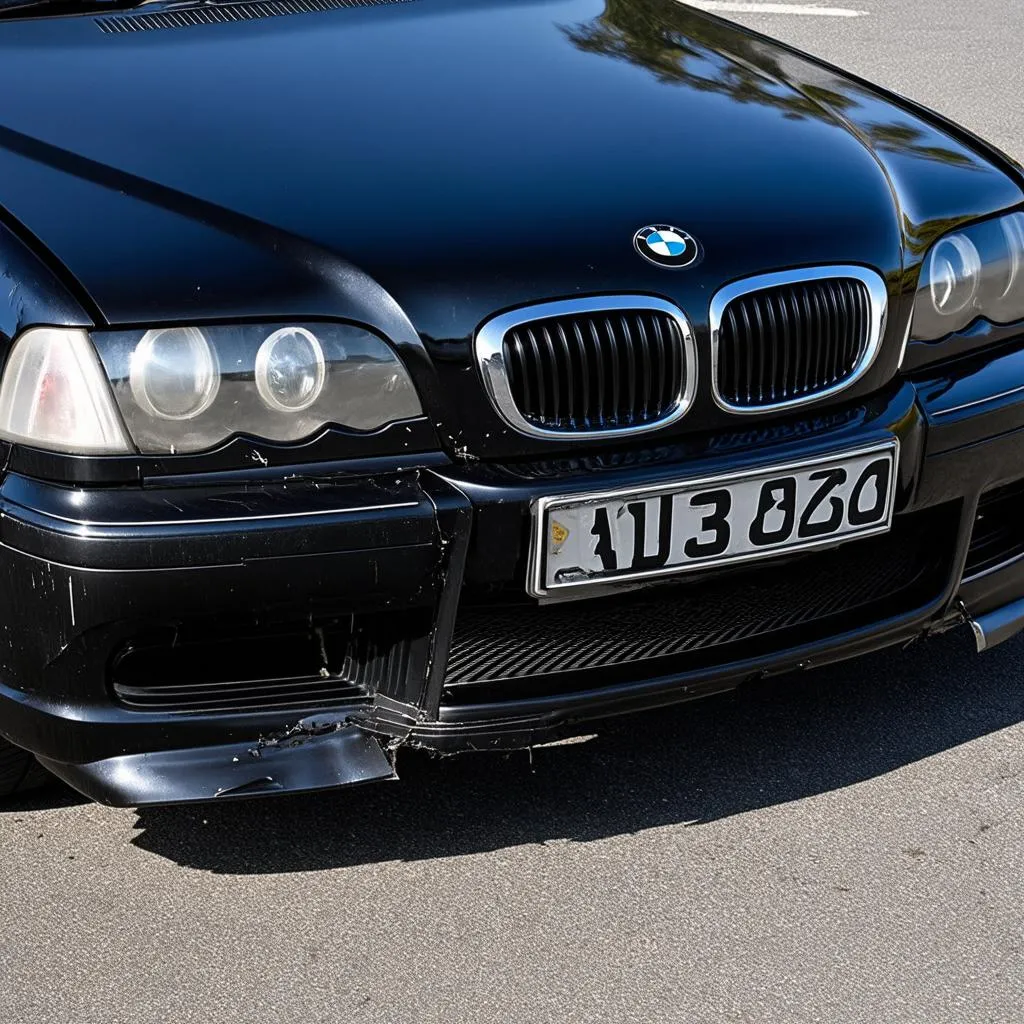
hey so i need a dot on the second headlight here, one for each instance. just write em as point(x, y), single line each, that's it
point(977, 272)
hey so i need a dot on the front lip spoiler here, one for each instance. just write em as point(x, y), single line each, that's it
point(313, 755)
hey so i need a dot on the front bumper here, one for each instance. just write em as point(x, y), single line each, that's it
point(171, 643)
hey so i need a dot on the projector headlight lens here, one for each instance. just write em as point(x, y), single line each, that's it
point(955, 273)
point(975, 273)
point(174, 373)
point(290, 369)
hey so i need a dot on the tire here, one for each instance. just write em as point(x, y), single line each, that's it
point(19, 770)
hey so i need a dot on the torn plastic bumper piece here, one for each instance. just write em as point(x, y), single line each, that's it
point(998, 626)
point(312, 755)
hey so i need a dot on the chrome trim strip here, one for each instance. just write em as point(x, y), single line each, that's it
point(541, 506)
point(490, 357)
point(977, 401)
point(1006, 563)
point(906, 344)
point(879, 311)
point(91, 523)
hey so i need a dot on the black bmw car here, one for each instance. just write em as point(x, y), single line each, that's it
point(446, 373)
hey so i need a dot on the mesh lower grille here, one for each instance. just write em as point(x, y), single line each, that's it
point(699, 621)
point(790, 342)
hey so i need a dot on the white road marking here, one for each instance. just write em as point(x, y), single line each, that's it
point(753, 7)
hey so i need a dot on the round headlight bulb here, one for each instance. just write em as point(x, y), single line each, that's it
point(290, 369)
point(1013, 235)
point(955, 274)
point(173, 374)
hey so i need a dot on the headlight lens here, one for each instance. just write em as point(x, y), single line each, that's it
point(290, 369)
point(974, 273)
point(188, 389)
point(954, 269)
point(173, 373)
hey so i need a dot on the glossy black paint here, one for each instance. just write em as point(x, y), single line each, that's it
point(525, 144)
point(418, 167)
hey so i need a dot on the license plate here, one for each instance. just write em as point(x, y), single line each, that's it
point(615, 536)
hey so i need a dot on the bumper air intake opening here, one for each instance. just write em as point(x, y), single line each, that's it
point(256, 666)
point(998, 536)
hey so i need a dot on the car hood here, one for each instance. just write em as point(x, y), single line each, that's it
point(464, 155)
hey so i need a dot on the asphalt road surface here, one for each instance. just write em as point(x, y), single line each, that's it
point(845, 846)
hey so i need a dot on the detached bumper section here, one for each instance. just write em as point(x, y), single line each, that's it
point(168, 645)
point(152, 633)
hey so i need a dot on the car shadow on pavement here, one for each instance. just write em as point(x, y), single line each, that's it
point(771, 743)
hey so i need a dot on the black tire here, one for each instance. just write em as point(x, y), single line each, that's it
point(19, 770)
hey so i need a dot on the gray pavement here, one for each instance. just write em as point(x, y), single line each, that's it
point(843, 846)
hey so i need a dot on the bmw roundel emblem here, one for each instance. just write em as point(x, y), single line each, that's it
point(666, 246)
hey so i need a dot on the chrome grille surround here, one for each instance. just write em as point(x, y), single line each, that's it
point(489, 348)
point(878, 299)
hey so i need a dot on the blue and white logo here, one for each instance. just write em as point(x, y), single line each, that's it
point(666, 246)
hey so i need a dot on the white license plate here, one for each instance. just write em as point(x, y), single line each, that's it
point(614, 536)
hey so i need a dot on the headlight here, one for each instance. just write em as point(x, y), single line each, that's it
point(290, 369)
point(173, 373)
point(974, 273)
point(187, 389)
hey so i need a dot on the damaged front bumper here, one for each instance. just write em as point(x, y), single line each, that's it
point(207, 640)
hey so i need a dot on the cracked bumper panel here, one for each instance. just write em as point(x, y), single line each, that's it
point(323, 756)
point(154, 634)
point(144, 620)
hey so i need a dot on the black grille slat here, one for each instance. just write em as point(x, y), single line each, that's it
point(772, 333)
point(791, 341)
point(555, 373)
point(781, 342)
point(792, 308)
point(518, 366)
point(821, 329)
point(603, 370)
point(581, 350)
point(630, 361)
point(645, 366)
point(600, 372)
point(836, 345)
point(750, 350)
point(848, 327)
point(659, 384)
point(613, 371)
point(807, 339)
point(534, 353)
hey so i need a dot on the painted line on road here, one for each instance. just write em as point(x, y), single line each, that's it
point(752, 7)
